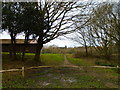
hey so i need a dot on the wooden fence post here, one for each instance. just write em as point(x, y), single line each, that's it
point(23, 72)
point(117, 66)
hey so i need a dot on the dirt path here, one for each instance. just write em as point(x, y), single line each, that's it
point(66, 62)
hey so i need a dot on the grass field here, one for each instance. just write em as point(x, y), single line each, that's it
point(52, 59)
point(80, 61)
point(91, 61)
point(47, 59)
point(62, 78)
point(58, 77)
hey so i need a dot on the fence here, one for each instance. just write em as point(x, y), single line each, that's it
point(23, 68)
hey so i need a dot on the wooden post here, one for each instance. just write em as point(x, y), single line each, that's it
point(23, 74)
point(117, 66)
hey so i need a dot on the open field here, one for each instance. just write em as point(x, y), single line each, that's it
point(80, 61)
point(91, 61)
point(47, 59)
point(58, 77)
point(52, 59)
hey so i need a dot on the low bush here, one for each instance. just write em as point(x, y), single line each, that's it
point(105, 63)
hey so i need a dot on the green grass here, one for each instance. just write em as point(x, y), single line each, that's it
point(110, 72)
point(47, 59)
point(52, 59)
point(87, 61)
point(30, 54)
point(111, 63)
point(4, 52)
point(25, 53)
point(80, 61)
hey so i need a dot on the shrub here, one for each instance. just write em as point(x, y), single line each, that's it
point(104, 63)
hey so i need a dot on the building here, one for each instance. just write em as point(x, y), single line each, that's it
point(6, 45)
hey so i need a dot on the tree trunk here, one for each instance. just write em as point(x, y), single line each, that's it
point(37, 54)
point(24, 47)
point(11, 49)
point(106, 52)
point(86, 50)
point(23, 53)
point(38, 50)
point(91, 50)
point(85, 44)
point(14, 49)
point(118, 52)
point(119, 47)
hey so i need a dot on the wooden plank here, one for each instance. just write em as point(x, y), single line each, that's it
point(39, 67)
point(10, 70)
point(104, 67)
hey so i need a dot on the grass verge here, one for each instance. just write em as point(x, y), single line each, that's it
point(47, 59)
point(80, 61)
point(52, 59)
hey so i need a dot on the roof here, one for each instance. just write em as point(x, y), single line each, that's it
point(19, 41)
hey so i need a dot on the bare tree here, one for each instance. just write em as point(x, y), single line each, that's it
point(56, 21)
point(103, 26)
point(81, 25)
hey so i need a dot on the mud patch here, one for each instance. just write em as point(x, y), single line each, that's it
point(68, 80)
point(49, 75)
point(45, 83)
